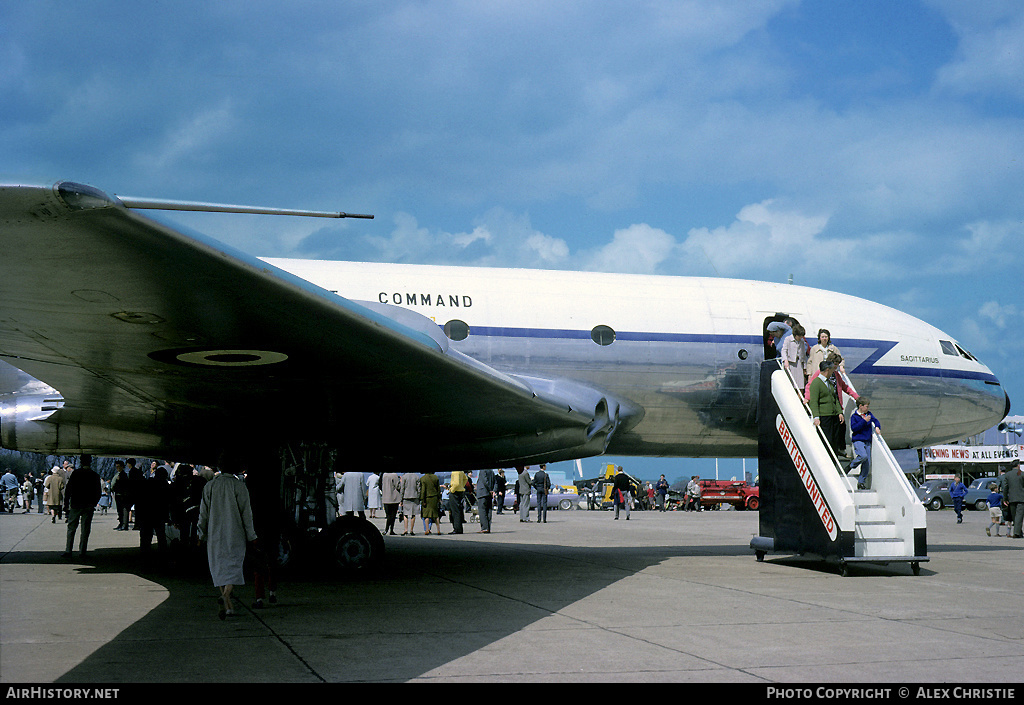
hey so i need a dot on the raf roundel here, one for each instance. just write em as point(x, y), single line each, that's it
point(221, 358)
point(232, 358)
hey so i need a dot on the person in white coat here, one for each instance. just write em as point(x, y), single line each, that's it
point(373, 493)
point(225, 523)
point(352, 491)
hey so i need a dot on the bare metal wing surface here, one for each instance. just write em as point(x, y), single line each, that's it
point(121, 334)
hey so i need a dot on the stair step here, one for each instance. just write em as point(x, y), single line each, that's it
point(875, 530)
point(879, 548)
point(870, 513)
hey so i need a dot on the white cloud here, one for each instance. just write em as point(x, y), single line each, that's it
point(764, 241)
point(187, 143)
point(1001, 315)
point(990, 55)
point(638, 249)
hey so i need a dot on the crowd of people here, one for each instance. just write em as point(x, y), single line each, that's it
point(178, 507)
point(819, 373)
point(405, 496)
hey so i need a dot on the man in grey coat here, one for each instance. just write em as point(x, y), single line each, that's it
point(1011, 484)
point(523, 488)
point(484, 492)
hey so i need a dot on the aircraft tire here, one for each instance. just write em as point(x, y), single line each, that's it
point(354, 544)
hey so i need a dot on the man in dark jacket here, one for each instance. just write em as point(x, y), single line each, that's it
point(542, 483)
point(122, 500)
point(152, 504)
point(1011, 484)
point(484, 499)
point(82, 493)
point(622, 492)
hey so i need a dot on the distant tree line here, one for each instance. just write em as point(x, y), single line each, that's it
point(39, 464)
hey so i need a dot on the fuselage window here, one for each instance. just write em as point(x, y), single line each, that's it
point(948, 348)
point(602, 335)
point(456, 329)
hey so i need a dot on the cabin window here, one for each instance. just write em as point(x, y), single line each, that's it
point(602, 335)
point(456, 329)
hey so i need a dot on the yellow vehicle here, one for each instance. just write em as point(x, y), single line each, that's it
point(603, 486)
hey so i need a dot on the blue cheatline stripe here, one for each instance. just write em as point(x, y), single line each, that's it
point(878, 347)
point(641, 337)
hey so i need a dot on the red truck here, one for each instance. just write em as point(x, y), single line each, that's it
point(735, 492)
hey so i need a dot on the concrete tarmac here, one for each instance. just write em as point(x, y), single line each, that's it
point(663, 597)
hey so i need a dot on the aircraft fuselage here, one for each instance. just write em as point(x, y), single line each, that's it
point(687, 350)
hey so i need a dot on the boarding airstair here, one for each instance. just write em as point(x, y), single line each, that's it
point(810, 505)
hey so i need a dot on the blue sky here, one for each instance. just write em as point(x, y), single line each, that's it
point(873, 148)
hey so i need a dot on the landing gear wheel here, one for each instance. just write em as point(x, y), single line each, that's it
point(915, 568)
point(844, 569)
point(354, 544)
point(759, 555)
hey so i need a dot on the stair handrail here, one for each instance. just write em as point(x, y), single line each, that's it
point(903, 506)
point(815, 449)
point(821, 434)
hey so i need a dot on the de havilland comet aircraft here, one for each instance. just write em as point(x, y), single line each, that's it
point(122, 335)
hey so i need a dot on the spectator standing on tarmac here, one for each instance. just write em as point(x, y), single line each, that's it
point(621, 491)
point(353, 499)
point(53, 489)
point(456, 496)
point(995, 510)
point(391, 497)
point(484, 498)
point(81, 495)
point(225, 523)
point(693, 494)
point(1011, 484)
point(499, 491)
point(430, 502)
point(542, 483)
point(39, 483)
point(119, 488)
point(410, 500)
point(10, 487)
point(27, 490)
point(523, 485)
point(373, 493)
point(152, 506)
point(661, 489)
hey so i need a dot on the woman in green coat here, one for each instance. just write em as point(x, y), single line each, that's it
point(430, 500)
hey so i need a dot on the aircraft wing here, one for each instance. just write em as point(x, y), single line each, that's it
point(162, 343)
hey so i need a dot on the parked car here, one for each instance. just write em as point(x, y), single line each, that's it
point(934, 494)
point(978, 492)
point(558, 498)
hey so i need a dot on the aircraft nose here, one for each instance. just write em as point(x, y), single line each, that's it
point(1006, 409)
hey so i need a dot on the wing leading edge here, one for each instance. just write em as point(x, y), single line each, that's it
point(164, 343)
